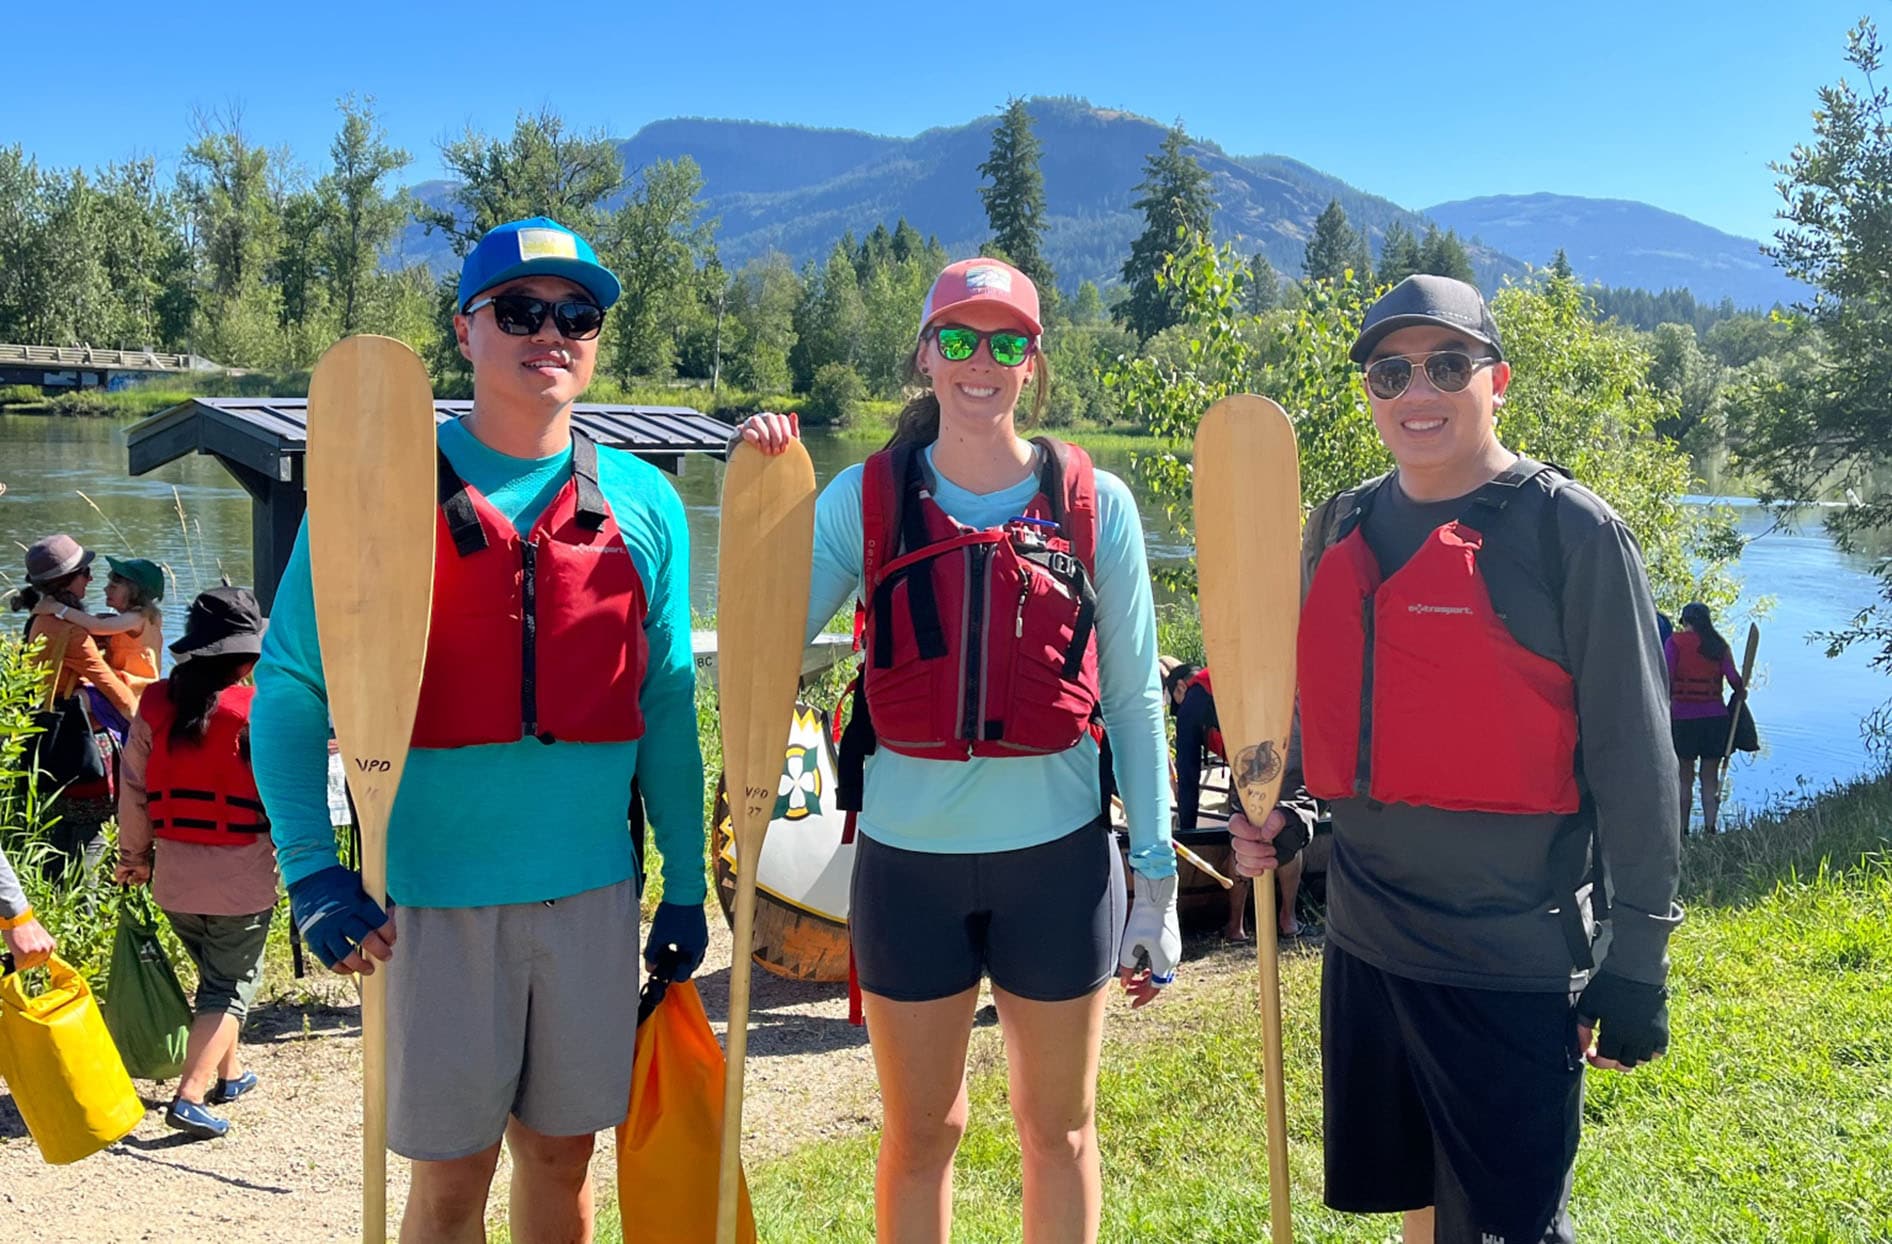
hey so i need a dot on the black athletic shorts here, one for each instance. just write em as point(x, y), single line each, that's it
point(1469, 1100)
point(1696, 737)
point(1045, 922)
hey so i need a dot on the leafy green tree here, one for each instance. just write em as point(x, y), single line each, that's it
point(1578, 396)
point(654, 242)
point(359, 215)
point(1824, 426)
point(1176, 204)
point(836, 396)
point(1263, 291)
point(1088, 307)
point(762, 298)
point(1399, 255)
point(1335, 249)
point(1442, 254)
point(831, 318)
point(541, 170)
point(1015, 196)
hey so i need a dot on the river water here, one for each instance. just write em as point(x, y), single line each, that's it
point(56, 471)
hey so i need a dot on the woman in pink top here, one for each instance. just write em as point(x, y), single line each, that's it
point(185, 782)
point(1699, 662)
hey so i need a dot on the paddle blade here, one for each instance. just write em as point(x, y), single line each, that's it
point(1248, 577)
point(763, 564)
point(370, 475)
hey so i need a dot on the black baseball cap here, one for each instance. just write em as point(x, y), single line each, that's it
point(1427, 299)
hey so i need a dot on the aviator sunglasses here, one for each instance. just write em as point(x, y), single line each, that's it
point(1448, 370)
point(520, 315)
point(1009, 348)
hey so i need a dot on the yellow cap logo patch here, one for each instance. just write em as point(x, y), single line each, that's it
point(546, 244)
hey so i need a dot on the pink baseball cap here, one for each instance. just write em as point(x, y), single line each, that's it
point(982, 280)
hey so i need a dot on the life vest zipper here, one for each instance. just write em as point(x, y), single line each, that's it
point(974, 689)
point(529, 650)
point(1363, 763)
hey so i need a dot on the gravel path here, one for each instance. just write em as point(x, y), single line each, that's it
point(290, 1169)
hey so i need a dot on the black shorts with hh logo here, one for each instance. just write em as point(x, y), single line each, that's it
point(1469, 1100)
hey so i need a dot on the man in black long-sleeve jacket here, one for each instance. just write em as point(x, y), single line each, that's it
point(1483, 699)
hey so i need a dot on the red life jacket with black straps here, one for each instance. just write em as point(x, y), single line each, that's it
point(202, 791)
point(540, 636)
point(1412, 688)
point(1212, 736)
point(1697, 680)
point(977, 642)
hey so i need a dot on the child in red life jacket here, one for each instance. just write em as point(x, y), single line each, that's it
point(185, 781)
point(1699, 662)
point(1007, 608)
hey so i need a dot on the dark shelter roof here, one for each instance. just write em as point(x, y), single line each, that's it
point(268, 434)
point(261, 442)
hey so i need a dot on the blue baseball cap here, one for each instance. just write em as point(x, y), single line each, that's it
point(538, 246)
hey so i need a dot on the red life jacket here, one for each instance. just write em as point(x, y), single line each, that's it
point(1697, 680)
point(979, 642)
point(541, 636)
point(204, 791)
point(1213, 736)
point(1412, 689)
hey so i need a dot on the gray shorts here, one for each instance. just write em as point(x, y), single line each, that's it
point(1043, 922)
point(525, 1009)
point(228, 952)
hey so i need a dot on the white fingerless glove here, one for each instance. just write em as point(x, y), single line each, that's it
point(1153, 931)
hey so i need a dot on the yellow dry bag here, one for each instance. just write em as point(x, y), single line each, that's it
point(62, 1068)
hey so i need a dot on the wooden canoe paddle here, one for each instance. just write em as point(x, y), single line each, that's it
point(370, 477)
point(1248, 576)
point(762, 570)
point(1734, 715)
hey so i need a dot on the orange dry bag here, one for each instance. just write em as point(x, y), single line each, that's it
point(670, 1144)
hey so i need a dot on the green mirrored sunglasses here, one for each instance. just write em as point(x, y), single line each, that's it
point(1008, 348)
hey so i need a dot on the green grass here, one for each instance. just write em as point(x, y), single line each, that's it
point(1770, 1119)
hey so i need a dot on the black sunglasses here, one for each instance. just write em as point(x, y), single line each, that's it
point(520, 315)
point(1448, 370)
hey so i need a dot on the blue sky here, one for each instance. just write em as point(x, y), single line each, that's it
point(1678, 103)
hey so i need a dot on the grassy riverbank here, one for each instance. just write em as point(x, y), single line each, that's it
point(1770, 1120)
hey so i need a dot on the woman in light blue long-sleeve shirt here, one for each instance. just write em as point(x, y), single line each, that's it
point(995, 865)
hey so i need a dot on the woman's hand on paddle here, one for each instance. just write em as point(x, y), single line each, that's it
point(132, 874)
point(771, 432)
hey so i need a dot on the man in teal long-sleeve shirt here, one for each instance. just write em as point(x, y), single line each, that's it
point(558, 672)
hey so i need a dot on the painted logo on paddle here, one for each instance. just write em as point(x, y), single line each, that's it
point(1255, 767)
point(373, 764)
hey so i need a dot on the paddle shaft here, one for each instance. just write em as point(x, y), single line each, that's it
point(1734, 713)
point(1248, 526)
point(371, 548)
point(764, 561)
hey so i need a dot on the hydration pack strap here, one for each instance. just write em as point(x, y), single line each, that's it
point(857, 744)
point(591, 508)
point(463, 521)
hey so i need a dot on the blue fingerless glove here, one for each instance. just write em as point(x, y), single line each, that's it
point(683, 928)
point(333, 913)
